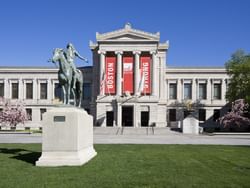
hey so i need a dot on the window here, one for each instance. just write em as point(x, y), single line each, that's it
point(186, 113)
point(1, 89)
point(216, 115)
point(202, 91)
point(58, 94)
point(109, 118)
point(172, 91)
point(43, 90)
point(42, 110)
point(202, 115)
point(217, 91)
point(29, 91)
point(172, 114)
point(14, 90)
point(29, 113)
point(187, 91)
point(86, 91)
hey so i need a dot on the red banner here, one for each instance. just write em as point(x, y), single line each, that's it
point(128, 76)
point(110, 76)
point(145, 74)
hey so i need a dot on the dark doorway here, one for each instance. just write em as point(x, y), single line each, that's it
point(110, 118)
point(127, 116)
point(144, 119)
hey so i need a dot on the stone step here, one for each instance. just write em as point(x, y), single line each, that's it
point(132, 131)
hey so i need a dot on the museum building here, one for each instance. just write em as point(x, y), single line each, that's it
point(128, 85)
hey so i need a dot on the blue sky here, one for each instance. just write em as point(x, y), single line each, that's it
point(201, 32)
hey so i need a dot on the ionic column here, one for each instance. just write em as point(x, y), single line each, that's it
point(223, 89)
point(49, 92)
point(119, 73)
point(197, 89)
point(194, 89)
point(154, 83)
point(167, 90)
point(179, 90)
point(35, 91)
point(102, 69)
point(6, 89)
point(20, 89)
point(137, 71)
point(209, 89)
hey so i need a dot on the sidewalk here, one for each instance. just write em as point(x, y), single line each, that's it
point(140, 136)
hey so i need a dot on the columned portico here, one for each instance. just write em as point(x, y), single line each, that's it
point(133, 77)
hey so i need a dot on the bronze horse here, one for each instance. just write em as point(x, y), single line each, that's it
point(66, 78)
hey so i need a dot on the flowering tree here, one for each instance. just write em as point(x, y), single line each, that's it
point(12, 114)
point(237, 116)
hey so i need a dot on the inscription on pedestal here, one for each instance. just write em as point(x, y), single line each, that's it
point(59, 118)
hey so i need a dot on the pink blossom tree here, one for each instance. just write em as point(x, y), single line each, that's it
point(12, 114)
point(237, 116)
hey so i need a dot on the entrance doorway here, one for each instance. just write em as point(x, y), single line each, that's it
point(144, 119)
point(109, 118)
point(127, 116)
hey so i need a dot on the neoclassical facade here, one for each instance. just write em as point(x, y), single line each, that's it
point(38, 88)
point(136, 87)
point(129, 84)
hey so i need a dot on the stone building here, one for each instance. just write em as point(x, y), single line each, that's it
point(129, 84)
point(126, 58)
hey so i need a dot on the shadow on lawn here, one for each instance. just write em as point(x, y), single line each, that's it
point(22, 154)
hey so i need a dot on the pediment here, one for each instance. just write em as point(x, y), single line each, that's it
point(128, 37)
point(128, 34)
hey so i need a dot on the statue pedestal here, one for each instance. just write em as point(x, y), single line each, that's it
point(67, 137)
point(190, 125)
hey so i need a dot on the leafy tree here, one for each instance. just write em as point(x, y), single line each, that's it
point(238, 68)
point(12, 114)
point(238, 115)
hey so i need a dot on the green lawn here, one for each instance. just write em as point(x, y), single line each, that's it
point(131, 166)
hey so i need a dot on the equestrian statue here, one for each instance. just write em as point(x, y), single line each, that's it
point(70, 78)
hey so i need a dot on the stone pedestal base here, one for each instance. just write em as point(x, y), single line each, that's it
point(67, 137)
point(190, 125)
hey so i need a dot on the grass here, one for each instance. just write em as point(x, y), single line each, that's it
point(131, 166)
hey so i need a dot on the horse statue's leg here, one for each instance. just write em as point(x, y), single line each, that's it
point(68, 92)
point(80, 96)
point(74, 95)
point(64, 94)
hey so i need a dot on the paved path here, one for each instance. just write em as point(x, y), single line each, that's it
point(140, 136)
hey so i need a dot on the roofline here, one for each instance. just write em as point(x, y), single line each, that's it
point(195, 67)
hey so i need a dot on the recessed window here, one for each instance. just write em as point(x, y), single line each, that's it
point(29, 113)
point(172, 91)
point(202, 115)
point(202, 91)
point(29, 90)
point(58, 93)
point(1, 89)
point(14, 90)
point(43, 91)
point(187, 91)
point(42, 110)
point(217, 91)
point(172, 114)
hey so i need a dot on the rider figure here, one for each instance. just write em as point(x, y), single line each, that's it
point(71, 53)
